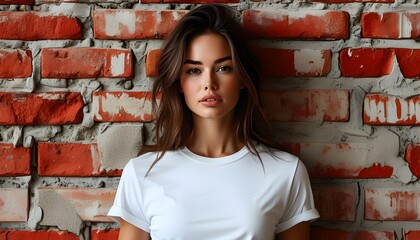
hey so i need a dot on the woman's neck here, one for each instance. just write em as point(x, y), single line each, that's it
point(214, 138)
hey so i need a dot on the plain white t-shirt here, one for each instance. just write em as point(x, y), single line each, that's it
point(187, 196)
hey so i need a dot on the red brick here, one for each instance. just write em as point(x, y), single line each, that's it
point(412, 155)
point(382, 109)
point(366, 62)
point(152, 60)
point(17, 2)
point(38, 26)
point(338, 160)
point(134, 24)
point(406, 59)
point(108, 234)
point(391, 25)
point(15, 63)
point(307, 105)
point(190, 1)
point(336, 203)
point(294, 63)
point(122, 106)
point(91, 204)
point(40, 108)
point(313, 24)
point(86, 63)
point(40, 234)
point(71, 160)
point(14, 161)
point(392, 204)
point(13, 205)
point(318, 233)
point(411, 234)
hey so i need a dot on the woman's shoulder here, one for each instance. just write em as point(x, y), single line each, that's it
point(275, 153)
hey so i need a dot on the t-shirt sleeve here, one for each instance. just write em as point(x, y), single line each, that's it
point(128, 200)
point(300, 205)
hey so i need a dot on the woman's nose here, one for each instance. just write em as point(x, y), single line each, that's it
point(210, 82)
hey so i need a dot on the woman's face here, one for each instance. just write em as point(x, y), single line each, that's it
point(209, 80)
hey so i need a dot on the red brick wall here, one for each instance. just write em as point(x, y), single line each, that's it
point(341, 82)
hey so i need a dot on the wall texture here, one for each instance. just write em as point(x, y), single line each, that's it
point(341, 80)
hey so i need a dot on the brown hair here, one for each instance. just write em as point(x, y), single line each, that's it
point(173, 117)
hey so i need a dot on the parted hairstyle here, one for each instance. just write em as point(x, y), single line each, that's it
point(173, 118)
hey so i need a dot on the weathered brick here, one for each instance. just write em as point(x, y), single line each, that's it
point(411, 234)
point(71, 159)
point(313, 24)
point(338, 160)
point(122, 106)
point(152, 60)
point(392, 204)
point(40, 108)
point(294, 63)
point(307, 105)
point(17, 2)
point(91, 204)
point(319, 233)
point(14, 161)
point(38, 26)
point(336, 203)
point(108, 234)
point(412, 155)
point(406, 58)
point(190, 1)
point(366, 62)
point(39, 234)
point(13, 204)
point(383, 109)
point(391, 25)
point(134, 24)
point(15, 63)
point(86, 63)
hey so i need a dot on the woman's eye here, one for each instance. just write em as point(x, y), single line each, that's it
point(224, 69)
point(193, 71)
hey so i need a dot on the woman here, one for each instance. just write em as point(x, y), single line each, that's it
point(213, 173)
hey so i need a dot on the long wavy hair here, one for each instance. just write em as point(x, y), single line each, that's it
point(173, 118)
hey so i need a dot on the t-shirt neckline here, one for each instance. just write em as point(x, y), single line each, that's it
point(216, 161)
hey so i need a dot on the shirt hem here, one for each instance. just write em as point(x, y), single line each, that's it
point(310, 215)
point(117, 214)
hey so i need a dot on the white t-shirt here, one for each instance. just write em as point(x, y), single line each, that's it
point(187, 196)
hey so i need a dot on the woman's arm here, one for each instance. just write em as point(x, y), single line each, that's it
point(130, 232)
point(298, 232)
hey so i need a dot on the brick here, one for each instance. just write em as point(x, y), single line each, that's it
point(392, 204)
point(294, 63)
point(383, 109)
point(91, 204)
point(307, 105)
point(152, 60)
point(336, 203)
point(108, 234)
point(122, 106)
point(319, 233)
point(411, 234)
point(38, 26)
point(338, 160)
point(14, 161)
point(412, 155)
point(39, 234)
point(15, 63)
point(311, 24)
point(134, 24)
point(40, 108)
point(71, 160)
point(406, 58)
point(86, 63)
point(390, 25)
point(17, 2)
point(366, 62)
point(190, 1)
point(13, 204)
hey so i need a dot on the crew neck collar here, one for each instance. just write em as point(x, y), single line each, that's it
point(216, 161)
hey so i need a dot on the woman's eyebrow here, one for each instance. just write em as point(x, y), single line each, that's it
point(189, 61)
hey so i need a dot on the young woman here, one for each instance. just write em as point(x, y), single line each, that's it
point(213, 173)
